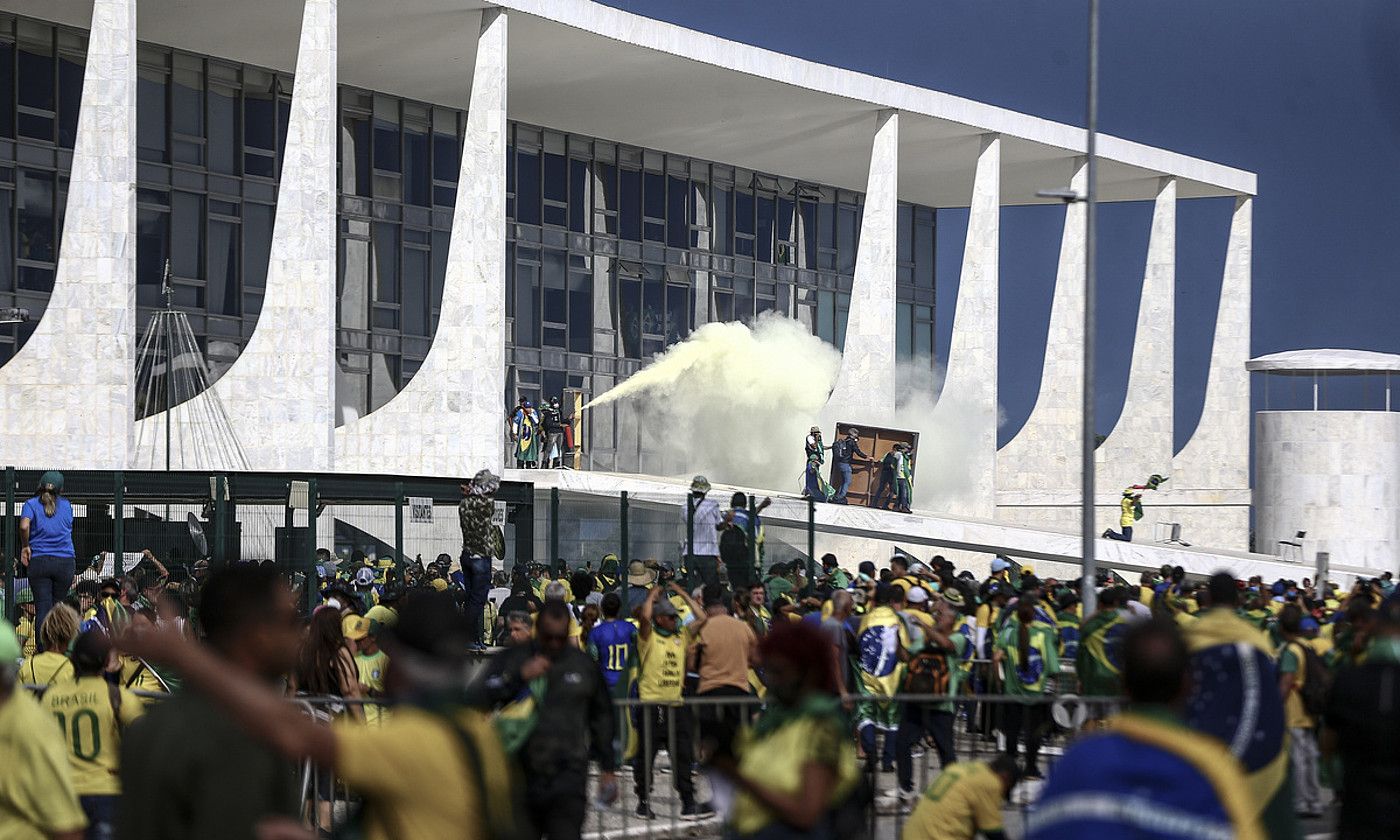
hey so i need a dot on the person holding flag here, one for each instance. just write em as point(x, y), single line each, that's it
point(882, 644)
point(1099, 660)
point(1235, 699)
point(1131, 508)
point(525, 432)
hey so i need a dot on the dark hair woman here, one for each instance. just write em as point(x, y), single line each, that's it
point(327, 667)
point(796, 769)
point(46, 544)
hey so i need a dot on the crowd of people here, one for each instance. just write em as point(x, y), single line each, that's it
point(129, 714)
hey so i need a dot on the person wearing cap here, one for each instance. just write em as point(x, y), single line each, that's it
point(814, 449)
point(483, 546)
point(37, 796)
point(661, 659)
point(702, 549)
point(46, 543)
point(843, 454)
point(1301, 722)
point(525, 433)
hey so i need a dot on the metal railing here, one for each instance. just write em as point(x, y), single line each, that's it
point(655, 730)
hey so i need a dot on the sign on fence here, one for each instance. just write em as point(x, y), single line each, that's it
point(420, 510)
point(498, 517)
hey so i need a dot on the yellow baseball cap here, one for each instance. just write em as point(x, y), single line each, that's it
point(354, 626)
point(381, 616)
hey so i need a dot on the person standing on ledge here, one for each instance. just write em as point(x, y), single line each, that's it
point(483, 545)
point(843, 452)
point(703, 548)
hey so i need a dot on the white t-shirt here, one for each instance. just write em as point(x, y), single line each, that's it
point(706, 539)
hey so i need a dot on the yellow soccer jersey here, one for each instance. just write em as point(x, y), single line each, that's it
point(965, 799)
point(92, 731)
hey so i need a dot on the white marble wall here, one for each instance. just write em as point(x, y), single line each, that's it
point(1141, 442)
point(279, 394)
point(969, 397)
point(1045, 455)
point(865, 387)
point(1334, 474)
point(449, 419)
point(67, 395)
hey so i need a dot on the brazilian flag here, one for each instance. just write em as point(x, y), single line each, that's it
point(1099, 658)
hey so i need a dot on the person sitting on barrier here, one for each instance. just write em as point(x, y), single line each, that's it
point(964, 801)
point(796, 769)
point(564, 718)
point(187, 770)
point(1148, 775)
point(435, 768)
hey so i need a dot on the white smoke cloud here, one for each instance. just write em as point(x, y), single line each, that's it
point(943, 470)
point(734, 402)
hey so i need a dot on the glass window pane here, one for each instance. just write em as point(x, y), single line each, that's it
point(284, 118)
point(354, 284)
point(259, 118)
point(807, 234)
point(904, 222)
point(7, 239)
point(580, 312)
point(187, 100)
point(923, 256)
point(677, 226)
point(152, 250)
point(723, 234)
point(843, 310)
point(743, 212)
point(904, 330)
point(552, 280)
point(605, 193)
point(440, 249)
point(355, 176)
point(7, 90)
point(416, 166)
point(578, 195)
point(384, 379)
point(222, 280)
point(257, 243)
point(36, 66)
point(386, 135)
point(630, 205)
point(527, 188)
point(415, 291)
point(655, 204)
point(70, 97)
point(630, 316)
point(150, 115)
point(653, 303)
point(677, 313)
point(923, 339)
point(386, 262)
point(186, 235)
point(527, 307)
point(763, 242)
point(846, 240)
point(223, 122)
point(36, 220)
point(556, 185)
point(446, 157)
point(786, 210)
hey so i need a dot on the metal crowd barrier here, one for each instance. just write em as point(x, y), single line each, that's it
point(978, 718)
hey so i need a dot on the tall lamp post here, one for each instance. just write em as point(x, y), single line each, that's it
point(1088, 595)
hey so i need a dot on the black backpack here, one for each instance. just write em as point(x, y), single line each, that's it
point(926, 672)
point(1317, 682)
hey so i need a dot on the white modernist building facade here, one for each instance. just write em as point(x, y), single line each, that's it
point(406, 214)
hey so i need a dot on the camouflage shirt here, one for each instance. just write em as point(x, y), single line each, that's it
point(480, 538)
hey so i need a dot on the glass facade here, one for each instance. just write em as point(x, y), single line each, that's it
point(614, 252)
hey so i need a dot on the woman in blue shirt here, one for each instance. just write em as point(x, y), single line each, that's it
point(46, 544)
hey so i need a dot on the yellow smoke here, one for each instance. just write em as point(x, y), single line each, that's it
point(734, 402)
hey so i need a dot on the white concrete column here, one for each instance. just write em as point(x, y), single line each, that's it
point(968, 403)
point(1217, 455)
point(68, 394)
point(1044, 457)
point(279, 394)
point(865, 387)
point(450, 419)
point(1141, 442)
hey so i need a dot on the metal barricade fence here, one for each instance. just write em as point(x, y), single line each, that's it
point(659, 745)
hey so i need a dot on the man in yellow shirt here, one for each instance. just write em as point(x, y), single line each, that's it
point(963, 801)
point(427, 772)
point(661, 649)
point(92, 713)
point(37, 799)
point(1302, 726)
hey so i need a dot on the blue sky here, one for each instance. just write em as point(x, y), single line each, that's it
point(1306, 94)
